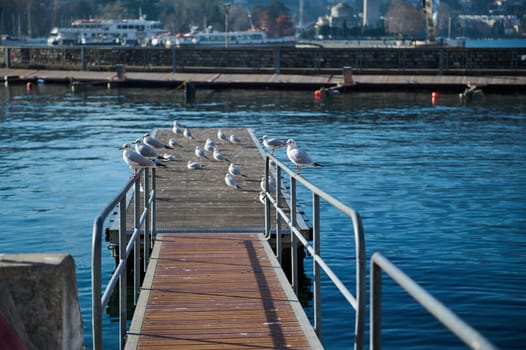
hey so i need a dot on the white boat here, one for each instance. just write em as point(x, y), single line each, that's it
point(106, 32)
point(238, 38)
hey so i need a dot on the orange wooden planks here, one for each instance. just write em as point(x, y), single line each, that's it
point(217, 291)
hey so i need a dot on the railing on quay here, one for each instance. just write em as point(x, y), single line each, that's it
point(462, 330)
point(274, 199)
point(144, 224)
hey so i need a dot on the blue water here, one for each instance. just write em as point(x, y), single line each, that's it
point(440, 188)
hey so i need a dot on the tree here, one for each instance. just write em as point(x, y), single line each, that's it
point(275, 19)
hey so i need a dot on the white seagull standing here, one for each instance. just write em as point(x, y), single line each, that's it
point(220, 157)
point(272, 143)
point(177, 128)
point(187, 134)
point(231, 182)
point(146, 151)
point(233, 139)
point(235, 171)
point(134, 159)
point(209, 145)
point(153, 142)
point(299, 157)
point(199, 153)
point(221, 136)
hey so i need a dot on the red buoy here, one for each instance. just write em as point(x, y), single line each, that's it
point(317, 94)
point(29, 86)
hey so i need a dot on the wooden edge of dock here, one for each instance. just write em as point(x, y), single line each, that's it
point(134, 331)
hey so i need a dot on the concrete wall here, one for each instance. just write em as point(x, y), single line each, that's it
point(40, 304)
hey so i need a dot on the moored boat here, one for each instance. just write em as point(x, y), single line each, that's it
point(106, 32)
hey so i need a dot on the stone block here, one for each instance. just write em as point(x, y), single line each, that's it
point(43, 288)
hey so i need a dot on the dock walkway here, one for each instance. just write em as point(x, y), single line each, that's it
point(359, 82)
point(213, 281)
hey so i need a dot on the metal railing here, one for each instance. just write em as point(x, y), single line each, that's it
point(358, 302)
point(144, 223)
point(452, 322)
point(378, 263)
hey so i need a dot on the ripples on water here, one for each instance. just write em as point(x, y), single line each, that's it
point(440, 189)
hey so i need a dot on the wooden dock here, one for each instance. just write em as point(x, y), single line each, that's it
point(213, 281)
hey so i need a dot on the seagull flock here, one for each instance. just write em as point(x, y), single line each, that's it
point(146, 153)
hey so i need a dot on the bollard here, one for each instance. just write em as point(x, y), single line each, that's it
point(347, 76)
point(121, 71)
point(189, 92)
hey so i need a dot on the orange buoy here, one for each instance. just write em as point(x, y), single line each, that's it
point(434, 97)
point(29, 86)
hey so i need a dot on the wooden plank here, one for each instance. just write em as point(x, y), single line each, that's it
point(217, 291)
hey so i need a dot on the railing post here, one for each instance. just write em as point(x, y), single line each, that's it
point(137, 243)
point(96, 284)
point(278, 219)
point(82, 58)
point(268, 232)
point(376, 307)
point(293, 238)
point(122, 277)
point(361, 286)
point(153, 222)
point(146, 238)
point(316, 266)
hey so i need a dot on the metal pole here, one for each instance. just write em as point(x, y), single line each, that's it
point(96, 304)
point(137, 243)
point(146, 238)
point(316, 266)
point(293, 238)
point(152, 209)
point(122, 277)
point(278, 219)
point(227, 9)
point(376, 307)
point(267, 200)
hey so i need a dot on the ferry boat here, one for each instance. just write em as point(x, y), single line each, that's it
point(236, 38)
point(106, 32)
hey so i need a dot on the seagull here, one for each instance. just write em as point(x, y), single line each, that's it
point(193, 165)
point(234, 139)
point(299, 157)
point(177, 128)
point(173, 143)
point(220, 157)
point(272, 143)
point(199, 153)
point(221, 136)
point(235, 171)
point(187, 134)
point(153, 142)
point(134, 159)
point(145, 150)
point(210, 145)
point(231, 182)
point(271, 184)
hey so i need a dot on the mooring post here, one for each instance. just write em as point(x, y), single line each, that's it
point(189, 92)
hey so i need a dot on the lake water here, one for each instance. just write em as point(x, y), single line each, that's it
point(440, 188)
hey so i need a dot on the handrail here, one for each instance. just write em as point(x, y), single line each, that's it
point(358, 302)
point(143, 223)
point(462, 330)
